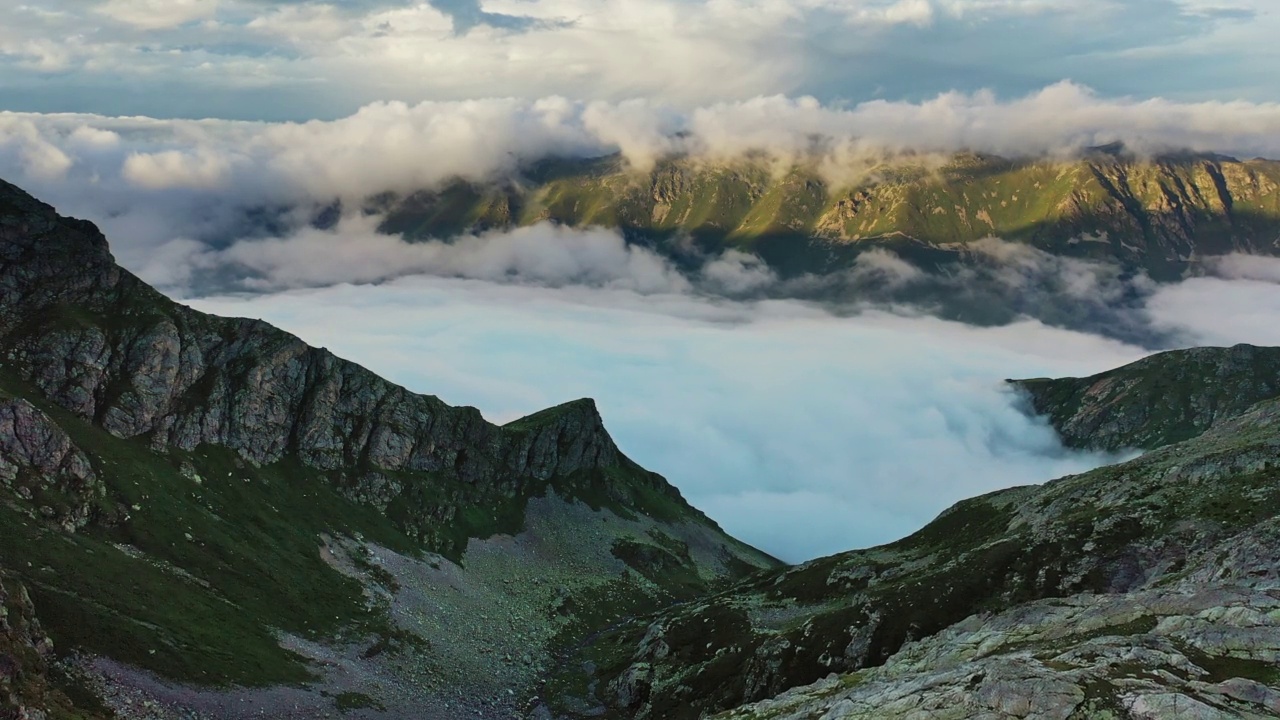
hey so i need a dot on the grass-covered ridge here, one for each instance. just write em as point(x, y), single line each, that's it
point(1149, 213)
point(1160, 400)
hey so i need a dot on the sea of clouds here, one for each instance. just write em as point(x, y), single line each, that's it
point(800, 431)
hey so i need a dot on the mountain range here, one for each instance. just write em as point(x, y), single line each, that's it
point(205, 517)
point(1074, 242)
point(1158, 215)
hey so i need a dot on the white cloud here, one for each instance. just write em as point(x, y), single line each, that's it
point(1237, 303)
point(158, 14)
point(800, 431)
point(202, 170)
point(354, 252)
point(198, 168)
point(310, 58)
point(36, 157)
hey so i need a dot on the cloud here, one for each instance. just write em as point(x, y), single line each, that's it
point(150, 181)
point(855, 421)
point(314, 58)
point(354, 252)
point(801, 431)
point(1237, 301)
point(35, 157)
point(175, 169)
point(194, 205)
point(393, 146)
point(158, 14)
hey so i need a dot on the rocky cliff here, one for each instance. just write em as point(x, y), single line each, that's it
point(211, 502)
point(26, 692)
point(95, 340)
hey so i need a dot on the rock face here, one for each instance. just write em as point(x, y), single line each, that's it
point(1182, 539)
point(98, 342)
point(194, 501)
point(39, 464)
point(1182, 650)
point(1159, 400)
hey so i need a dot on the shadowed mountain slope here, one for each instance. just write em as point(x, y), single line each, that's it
point(1106, 592)
point(212, 502)
point(1159, 400)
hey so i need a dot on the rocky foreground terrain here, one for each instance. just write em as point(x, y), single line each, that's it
point(1146, 589)
point(205, 518)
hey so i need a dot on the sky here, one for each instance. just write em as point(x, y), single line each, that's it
point(179, 125)
point(307, 59)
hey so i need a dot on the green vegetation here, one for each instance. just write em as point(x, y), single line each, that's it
point(348, 701)
point(808, 218)
point(1157, 401)
point(192, 579)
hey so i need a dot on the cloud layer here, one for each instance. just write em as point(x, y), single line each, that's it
point(800, 431)
point(797, 430)
point(803, 432)
point(302, 59)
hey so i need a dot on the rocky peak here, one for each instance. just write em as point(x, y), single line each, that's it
point(564, 438)
point(100, 343)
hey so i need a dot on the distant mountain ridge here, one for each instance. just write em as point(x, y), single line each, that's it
point(1157, 215)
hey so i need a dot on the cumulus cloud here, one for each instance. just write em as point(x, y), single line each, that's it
point(175, 169)
point(798, 430)
point(313, 58)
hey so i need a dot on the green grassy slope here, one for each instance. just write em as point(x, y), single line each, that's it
point(1155, 214)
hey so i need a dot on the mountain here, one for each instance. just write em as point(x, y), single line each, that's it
point(1140, 590)
point(210, 517)
point(1157, 215)
point(1159, 400)
point(204, 517)
point(1071, 241)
